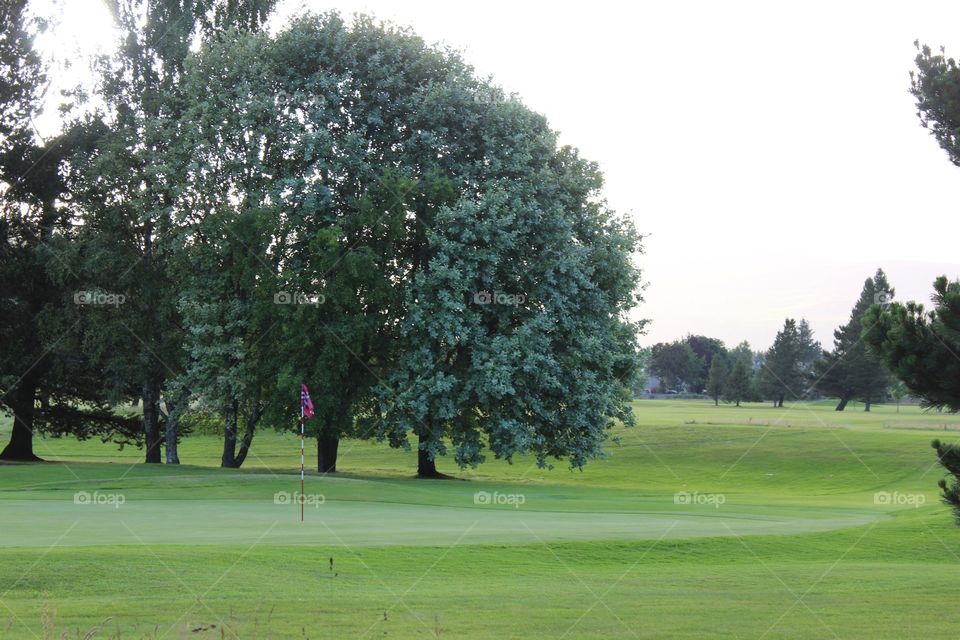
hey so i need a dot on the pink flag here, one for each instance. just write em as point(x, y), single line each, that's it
point(306, 404)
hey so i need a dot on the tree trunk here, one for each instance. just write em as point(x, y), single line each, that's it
point(244, 447)
point(20, 447)
point(843, 403)
point(426, 464)
point(151, 421)
point(716, 402)
point(251, 426)
point(229, 457)
point(327, 445)
point(866, 404)
point(170, 433)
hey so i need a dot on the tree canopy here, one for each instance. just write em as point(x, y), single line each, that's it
point(786, 365)
point(677, 365)
point(340, 203)
point(921, 347)
point(936, 86)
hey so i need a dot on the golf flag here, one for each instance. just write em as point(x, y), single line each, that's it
point(306, 404)
point(306, 412)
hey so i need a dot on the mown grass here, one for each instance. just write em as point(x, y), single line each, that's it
point(198, 552)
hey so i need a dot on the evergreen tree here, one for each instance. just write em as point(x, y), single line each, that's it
point(744, 352)
point(24, 291)
point(782, 375)
point(948, 455)
point(920, 347)
point(47, 382)
point(936, 86)
point(717, 379)
point(810, 349)
point(738, 383)
point(810, 352)
point(851, 371)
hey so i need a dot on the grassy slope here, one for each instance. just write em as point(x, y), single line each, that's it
point(600, 553)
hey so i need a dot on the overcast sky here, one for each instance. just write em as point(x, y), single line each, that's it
point(770, 150)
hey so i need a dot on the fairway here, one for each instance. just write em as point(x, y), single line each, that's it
point(827, 524)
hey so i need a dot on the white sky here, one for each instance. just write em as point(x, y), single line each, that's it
point(771, 151)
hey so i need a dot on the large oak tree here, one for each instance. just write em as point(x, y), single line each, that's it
point(471, 287)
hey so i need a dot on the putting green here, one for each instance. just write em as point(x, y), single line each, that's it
point(44, 523)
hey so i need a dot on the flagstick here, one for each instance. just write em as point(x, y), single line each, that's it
point(301, 461)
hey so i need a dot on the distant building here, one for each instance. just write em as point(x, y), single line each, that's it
point(653, 384)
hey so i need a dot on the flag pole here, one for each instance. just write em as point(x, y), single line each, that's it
point(301, 461)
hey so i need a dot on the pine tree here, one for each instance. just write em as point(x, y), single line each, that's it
point(717, 379)
point(782, 375)
point(851, 371)
point(810, 353)
point(47, 383)
point(920, 348)
point(738, 383)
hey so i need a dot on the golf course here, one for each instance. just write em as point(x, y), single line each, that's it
point(406, 319)
point(746, 522)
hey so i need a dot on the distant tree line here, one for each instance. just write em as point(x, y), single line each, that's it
point(229, 213)
point(795, 367)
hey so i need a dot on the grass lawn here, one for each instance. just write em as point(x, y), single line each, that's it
point(702, 521)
